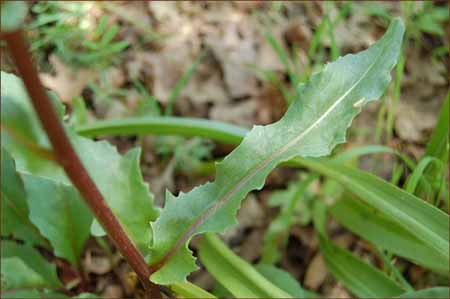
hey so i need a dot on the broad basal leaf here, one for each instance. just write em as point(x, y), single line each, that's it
point(60, 214)
point(118, 177)
point(120, 182)
point(15, 221)
point(312, 126)
point(13, 15)
point(32, 259)
point(22, 134)
point(15, 274)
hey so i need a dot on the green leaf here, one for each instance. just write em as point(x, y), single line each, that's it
point(20, 124)
point(120, 181)
point(312, 126)
point(235, 274)
point(16, 274)
point(60, 214)
point(373, 226)
point(189, 127)
point(435, 293)
point(426, 222)
point(13, 15)
point(190, 290)
point(34, 293)
point(359, 277)
point(15, 221)
point(118, 177)
point(33, 260)
point(284, 281)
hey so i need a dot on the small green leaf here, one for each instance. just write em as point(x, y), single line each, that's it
point(13, 15)
point(15, 221)
point(60, 214)
point(312, 126)
point(32, 258)
point(235, 274)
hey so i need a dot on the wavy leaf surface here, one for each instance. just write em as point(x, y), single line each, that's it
point(312, 127)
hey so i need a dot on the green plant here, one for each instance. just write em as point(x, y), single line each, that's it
point(63, 26)
point(111, 185)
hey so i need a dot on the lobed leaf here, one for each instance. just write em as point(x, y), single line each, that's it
point(312, 126)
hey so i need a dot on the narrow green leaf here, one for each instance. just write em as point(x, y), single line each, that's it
point(434, 293)
point(312, 126)
point(438, 146)
point(419, 218)
point(235, 274)
point(284, 281)
point(360, 278)
point(373, 226)
point(188, 127)
point(15, 221)
point(418, 173)
point(60, 214)
point(32, 258)
point(190, 290)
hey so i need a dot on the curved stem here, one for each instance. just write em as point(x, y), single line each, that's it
point(69, 160)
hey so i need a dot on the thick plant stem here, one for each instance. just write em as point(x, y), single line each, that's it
point(69, 160)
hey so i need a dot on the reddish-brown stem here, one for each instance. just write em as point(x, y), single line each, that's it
point(69, 160)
